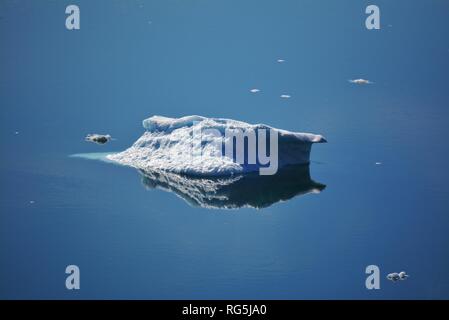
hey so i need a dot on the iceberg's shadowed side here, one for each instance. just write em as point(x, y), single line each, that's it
point(249, 190)
point(172, 145)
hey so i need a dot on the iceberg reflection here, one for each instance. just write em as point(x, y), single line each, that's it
point(249, 190)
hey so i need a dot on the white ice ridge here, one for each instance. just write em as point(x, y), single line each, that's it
point(169, 145)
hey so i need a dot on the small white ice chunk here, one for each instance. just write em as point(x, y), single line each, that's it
point(397, 276)
point(254, 90)
point(98, 138)
point(360, 81)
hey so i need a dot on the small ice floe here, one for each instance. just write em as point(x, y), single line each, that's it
point(16, 133)
point(255, 90)
point(285, 96)
point(280, 60)
point(98, 138)
point(397, 276)
point(378, 163)
point(360, 81)
point(31, 201)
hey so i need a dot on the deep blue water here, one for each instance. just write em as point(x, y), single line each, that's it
point(203, 57)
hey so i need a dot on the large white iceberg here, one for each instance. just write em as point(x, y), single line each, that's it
point(172, 145)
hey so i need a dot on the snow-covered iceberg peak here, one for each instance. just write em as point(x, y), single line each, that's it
point(203, 146)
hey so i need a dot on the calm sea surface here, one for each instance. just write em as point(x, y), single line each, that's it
point(383, 174)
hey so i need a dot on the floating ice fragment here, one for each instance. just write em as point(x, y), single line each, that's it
point(254, 90)
point(397, 276)
point(360, 81)
point(98, 138)
point(393, 276)
point(285, 96)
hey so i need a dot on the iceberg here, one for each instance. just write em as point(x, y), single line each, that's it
point(200, 146)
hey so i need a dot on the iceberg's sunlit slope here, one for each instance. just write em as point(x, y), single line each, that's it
point(172, 145)
point(249, 190)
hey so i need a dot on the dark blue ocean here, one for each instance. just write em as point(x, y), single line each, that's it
point(385, 166)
